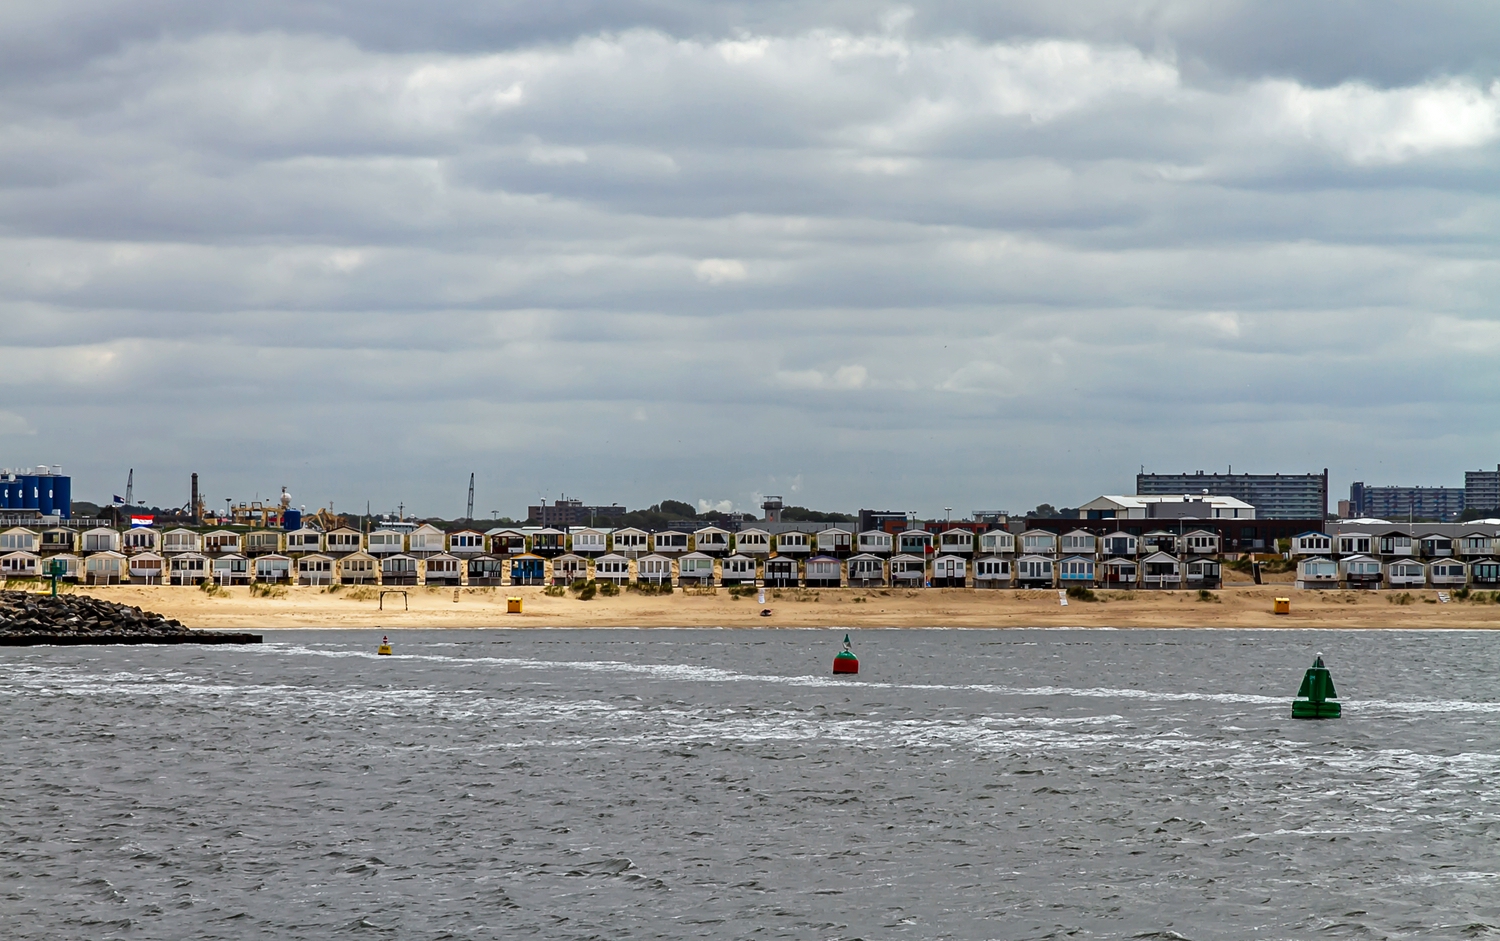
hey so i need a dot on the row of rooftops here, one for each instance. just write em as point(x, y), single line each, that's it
point(429, 540)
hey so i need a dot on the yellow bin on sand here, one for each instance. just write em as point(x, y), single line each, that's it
point(513, 605)
point(1283, 606)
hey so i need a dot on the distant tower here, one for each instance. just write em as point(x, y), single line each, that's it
point(772, 506)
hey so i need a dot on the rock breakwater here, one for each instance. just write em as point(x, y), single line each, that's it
point(28, 619)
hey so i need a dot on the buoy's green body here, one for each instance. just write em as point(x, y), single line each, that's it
point(1315, 699)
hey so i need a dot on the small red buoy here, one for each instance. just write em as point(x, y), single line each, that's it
point(846, 661)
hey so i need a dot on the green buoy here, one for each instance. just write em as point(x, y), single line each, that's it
point(1315, 700)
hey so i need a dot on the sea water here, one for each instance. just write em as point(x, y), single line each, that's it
point(723, 784)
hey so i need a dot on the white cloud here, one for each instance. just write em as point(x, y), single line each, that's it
point(720, 270)
point(1367, 125)
point(14, 424)
point(711, 506)
point(844, 377)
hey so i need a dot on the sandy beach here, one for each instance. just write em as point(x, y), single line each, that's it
point(1234, 606)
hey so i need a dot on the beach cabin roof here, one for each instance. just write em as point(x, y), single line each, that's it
point(695, 556)
point(758, 533)
point(504, 531)
point(629, 531)
point(1117, 562)
point(711, 530)
point(1160, 557)
point(611, 557)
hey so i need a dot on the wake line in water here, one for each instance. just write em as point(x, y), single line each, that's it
point(719, 675)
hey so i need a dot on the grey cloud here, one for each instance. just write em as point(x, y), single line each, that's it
point(705, 251)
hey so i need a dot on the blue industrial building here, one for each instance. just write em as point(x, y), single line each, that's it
point(42, 489)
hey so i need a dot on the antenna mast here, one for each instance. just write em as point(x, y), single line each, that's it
point(470, 514)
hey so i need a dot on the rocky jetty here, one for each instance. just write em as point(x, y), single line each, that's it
point(28, 619)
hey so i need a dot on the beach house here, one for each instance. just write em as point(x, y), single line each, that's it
point(738, 570)
point(782, 572)
point(399, 569)
point(874, 542)
point(384, 542)
point(359, 568)
point(669, 542)
point(1119, 572)
point(188, 568)
point(315, 568)
point(958, 542)
point(1317, 572)
point(1034, 571)
point(231, 569)
point(629, 542)
point(711, 540)
point(823, 571)
point(695, 568)
point(105, 567)
point(992, 571)
point(793, 543)
point(1161, 570)
point(342, 541)
point(908, 571)
point(20, 564)
point(1078, 542)
point(867, 570)
point(174, 541)
point(917, 542)
point(465, 543)
point(1405, 573)
point(950, 571)
point(753, 542)
point(1448, 573)
point(304, 540)
point(486, 570)
point(141, 539)
point(1038, 542)
point(445, 568)
point(834, 542)
point(527, 569)
point(1360, 572)
point(612, 567)
point(257, 543)
point(1075, 570)
point(273, 569)
point(108, 540)
point(590, 542)
point(997, 542)
point(653, 569)
point(569, 568)
point(426, 540)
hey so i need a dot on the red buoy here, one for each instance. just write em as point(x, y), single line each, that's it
point(846, 661)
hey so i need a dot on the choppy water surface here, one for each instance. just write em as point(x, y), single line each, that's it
point(720, 784)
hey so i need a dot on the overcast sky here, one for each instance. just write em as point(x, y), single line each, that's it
point(906, 256)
